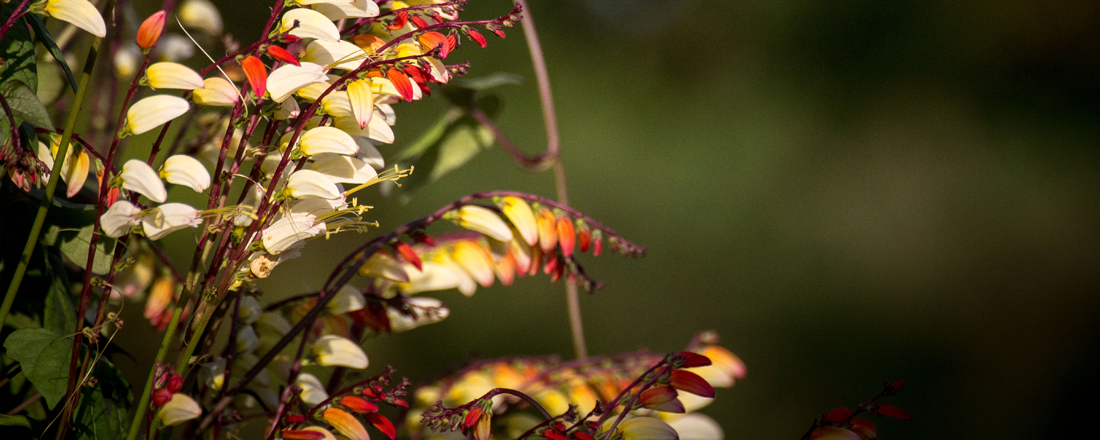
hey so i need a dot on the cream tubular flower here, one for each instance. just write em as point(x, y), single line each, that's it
point(119, 218)
point(348, 299)
point(332, 350)
point(169, 217)
point(337, 103)
point(362, 101)
point(424, 310)
point(81, 13)
point(522, 217)
point(169, 75)
point(250, 310)
point(476, 261)
point(179, 409)
point(335, 54)
point(311, 24)
point(696, 426)
point(288, 78)
point(288, 109)
point(187, 171)
point(154, 111)
point(313, 392)
point(216, 92)
point(321, 140)
point(289, 230)
point(646, 428)
point(381, 265)
point(340, 10)
point(309, 183)
point(377, 129)
point(480, 219)
point(139, 177)
point(343, 169)
point(201, 14)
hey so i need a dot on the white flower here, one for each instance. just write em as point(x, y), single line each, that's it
point(313, 392)
point(288, 79)
point(309, 183)
point(340, 10)
point(377, 129)
point(342, 169)
point(335, 54)
point(291, 229)
point(348, 299)
point(169, 217)
point(369, 154)
point(247, 340)
point(179, 409)
point(187, 171)
point(169, 75)
point(201, 14)
point(154, 111)
point(696, 426)
point(81, 13)
point(119, 218)
point(387, 113)
point(139, 177)
point(480, 219)
point(213, 373)
point(317, 206)
point(250, 309)
point(311, 24)
point(288, 109)
point(332, 350)
point(320, 140)
point(337, 103)
point(216, 92)
point(423, 311)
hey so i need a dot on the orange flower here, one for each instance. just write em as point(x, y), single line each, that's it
point(401, 82)
point(692, 383)
point(256, 73)
point(150, 30)
point(345, 423)
point(567, 236)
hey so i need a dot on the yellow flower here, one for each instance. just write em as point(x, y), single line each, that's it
point(201, 14)
point(361, 100)
point(475, 260)
point(216, 92)
point(169, 75)
point(480, 219)
point(646, 428)
point(345, 423)
point(179, 409)
point(152, 112)
point(332, 350)
point(519, 213)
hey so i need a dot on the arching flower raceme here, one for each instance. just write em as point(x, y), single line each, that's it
point(81, 13)
point(187, 171)
point(288, 79)
point(152, 112)
point(119, 218)
point(289, 230)
point(216, 92)
point(169, 75)
point(169, 217)
point(139, 177)
point(332, 350)
point(309, 183)
point(480, 219)
point(179, 409)
point(310, 24)
point(201, 14)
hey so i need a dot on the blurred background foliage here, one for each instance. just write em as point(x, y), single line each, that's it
point(847, 191)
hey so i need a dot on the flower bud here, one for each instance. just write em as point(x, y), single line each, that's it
point(383, 424)
point(160, 397)
point(150, 30)
point(278, 53)
point(548, 230)
point(358, 405)
point(175, 383)
point(408, 254)
point(888, 410)
point(402, 82)
point(519, 213)
point(476, 36)
point(692, 383)
point(256, 73)
point(567, 238)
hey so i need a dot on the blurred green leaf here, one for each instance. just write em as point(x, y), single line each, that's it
point(25, 105)
point(14, 421)
point(44, 37)
point(44, 356)
point(463, 91)
point(60, 315)
point(102, 412)
point(75, 247)
point(17, 52)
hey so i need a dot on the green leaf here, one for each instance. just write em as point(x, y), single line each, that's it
point(24, 105)
point(60, 315)
point(103, 408)
point(44, 37)
point(444, 150)
point(13, 424)
point(17, 52)
point(45, 358)
point(75, 248)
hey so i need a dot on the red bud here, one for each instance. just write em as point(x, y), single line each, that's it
point(175, 383)
point(476, 36)
point(407, 252)
point(567, 237)
point(150, 30)
point(419, 22)
point(885, 409)
point(499, 32)
point(290, 434)
point(583, 436)
point(256, 73)
point(400, 402)
point(295, 418)
point(693, 360)
point(597, 247)
point(692, 383)
point(472, 417)
point(402, 19)
point(278, 53)
point(661, 399)
point(287, 38)
point(896, 386)
point(358, 405)
point(383, 424)
point(553, 435)
point(160, 397)
point(584, 238)
point(837, 416)
point(401, 82)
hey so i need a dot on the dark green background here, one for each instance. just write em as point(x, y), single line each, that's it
point(847, 191)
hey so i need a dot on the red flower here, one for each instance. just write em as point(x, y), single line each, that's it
point(885, 409)
point(402, 19)
point(383, 424)
point(474, 35)
point(256, 73)
point(692, 383)
point(407, 252)
point(283, 55)
point(401, 82)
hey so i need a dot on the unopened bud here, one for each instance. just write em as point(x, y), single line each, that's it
point(150, 30)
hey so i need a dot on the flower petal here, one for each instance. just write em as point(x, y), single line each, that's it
point(139, 177)
point(154, 111)
point(81, 13)
point(345, 423)
point(169, 75)
point(332, 350)
point(185, 170)
point(179, 409)
point(310, 24)
point(216, 92)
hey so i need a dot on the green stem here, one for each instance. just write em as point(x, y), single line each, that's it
point(51, 185)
